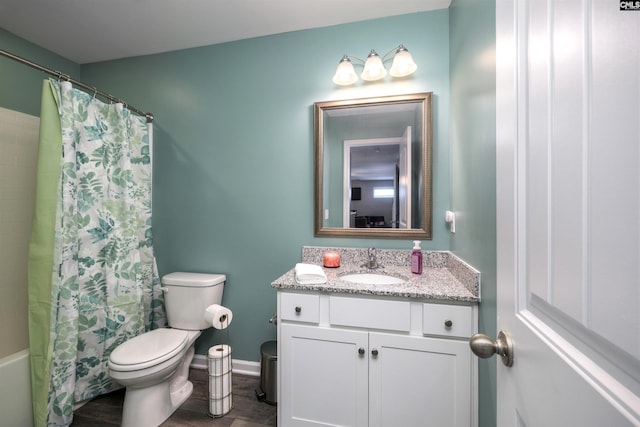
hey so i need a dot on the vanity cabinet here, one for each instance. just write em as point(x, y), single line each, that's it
point(354, 360)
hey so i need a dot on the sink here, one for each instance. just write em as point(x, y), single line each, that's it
point(372, 278)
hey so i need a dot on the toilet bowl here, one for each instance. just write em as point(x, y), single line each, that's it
point(154, 366)
point(148, 365)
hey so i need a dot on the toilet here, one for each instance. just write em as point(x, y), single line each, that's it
point(154, 366)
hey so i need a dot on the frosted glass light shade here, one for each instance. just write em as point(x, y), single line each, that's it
point(373, 68)
point(403, 64)
point(345, 73)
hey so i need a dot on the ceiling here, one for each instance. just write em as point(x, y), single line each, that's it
point(86, 31)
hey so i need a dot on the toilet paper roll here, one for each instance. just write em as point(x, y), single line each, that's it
point(220, 386)
point(218, 316)
point(219, 351)
point(219, 359)
point(220, 407)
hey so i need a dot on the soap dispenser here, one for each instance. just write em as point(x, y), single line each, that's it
point(416, 258)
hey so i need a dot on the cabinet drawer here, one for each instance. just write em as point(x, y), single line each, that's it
point(370, 313)
point(448, 320)
point(300, 307)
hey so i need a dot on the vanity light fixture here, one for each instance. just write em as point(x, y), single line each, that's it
point(374, 69)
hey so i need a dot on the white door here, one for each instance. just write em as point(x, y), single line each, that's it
point(568, 212)
point(404, 176)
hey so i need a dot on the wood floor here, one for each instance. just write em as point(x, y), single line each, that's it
point(106, 410)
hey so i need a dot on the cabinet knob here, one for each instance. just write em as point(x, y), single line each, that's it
point(448, 323)
point(298, 309)
point(361, 351)
point(374, 352)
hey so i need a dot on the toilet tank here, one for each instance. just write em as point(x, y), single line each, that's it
point(187, 296)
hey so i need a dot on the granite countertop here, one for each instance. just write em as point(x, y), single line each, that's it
point(444, 276)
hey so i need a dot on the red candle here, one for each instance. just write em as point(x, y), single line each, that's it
point(331, 259)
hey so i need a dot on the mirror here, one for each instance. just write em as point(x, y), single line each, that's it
point(373, 167)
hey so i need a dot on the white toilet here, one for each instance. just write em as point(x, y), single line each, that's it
point(154, 366)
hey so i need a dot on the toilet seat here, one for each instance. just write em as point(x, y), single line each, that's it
point(148, 349)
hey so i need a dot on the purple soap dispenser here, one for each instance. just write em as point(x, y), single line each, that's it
point(416, 258)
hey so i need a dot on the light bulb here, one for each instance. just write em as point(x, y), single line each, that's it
point(403, 64)
point(373, 68)
point(345, 73)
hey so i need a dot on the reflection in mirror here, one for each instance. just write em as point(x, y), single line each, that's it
point(373, 167)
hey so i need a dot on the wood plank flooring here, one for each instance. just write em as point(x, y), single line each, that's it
point(106, 410)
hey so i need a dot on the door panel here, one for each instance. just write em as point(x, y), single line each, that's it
point(567, 75)
point(327, 376)
point(419, 381)
point(404, 187)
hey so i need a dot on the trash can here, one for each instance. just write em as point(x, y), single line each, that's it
point(268, 391)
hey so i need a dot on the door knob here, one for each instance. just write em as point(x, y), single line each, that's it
point(484, 347)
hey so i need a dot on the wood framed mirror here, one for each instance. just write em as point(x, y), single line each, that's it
point(373, 167)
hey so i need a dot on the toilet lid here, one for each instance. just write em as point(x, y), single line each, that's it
point(148, 349)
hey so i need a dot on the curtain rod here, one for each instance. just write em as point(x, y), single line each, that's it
point(68, 78)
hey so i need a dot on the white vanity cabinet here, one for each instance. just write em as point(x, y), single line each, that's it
point(355, 360)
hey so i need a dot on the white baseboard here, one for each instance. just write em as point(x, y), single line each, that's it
point(242, 367)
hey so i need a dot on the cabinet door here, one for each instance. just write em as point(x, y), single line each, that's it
point(417, 381)
point(323, 376)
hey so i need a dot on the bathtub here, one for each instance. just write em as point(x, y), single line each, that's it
point(15, 388)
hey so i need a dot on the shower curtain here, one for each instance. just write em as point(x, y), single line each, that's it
point(93, 283)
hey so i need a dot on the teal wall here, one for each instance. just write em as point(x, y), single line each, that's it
point(473, 189)
point(21, 86)
point(233, 150)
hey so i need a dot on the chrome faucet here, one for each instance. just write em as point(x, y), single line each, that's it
point(372, 261)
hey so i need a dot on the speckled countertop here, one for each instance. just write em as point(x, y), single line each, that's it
point(444, 276)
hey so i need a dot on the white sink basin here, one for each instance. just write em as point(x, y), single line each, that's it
point(372, 278)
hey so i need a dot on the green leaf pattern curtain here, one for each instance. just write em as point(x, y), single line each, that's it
point(104, 286)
